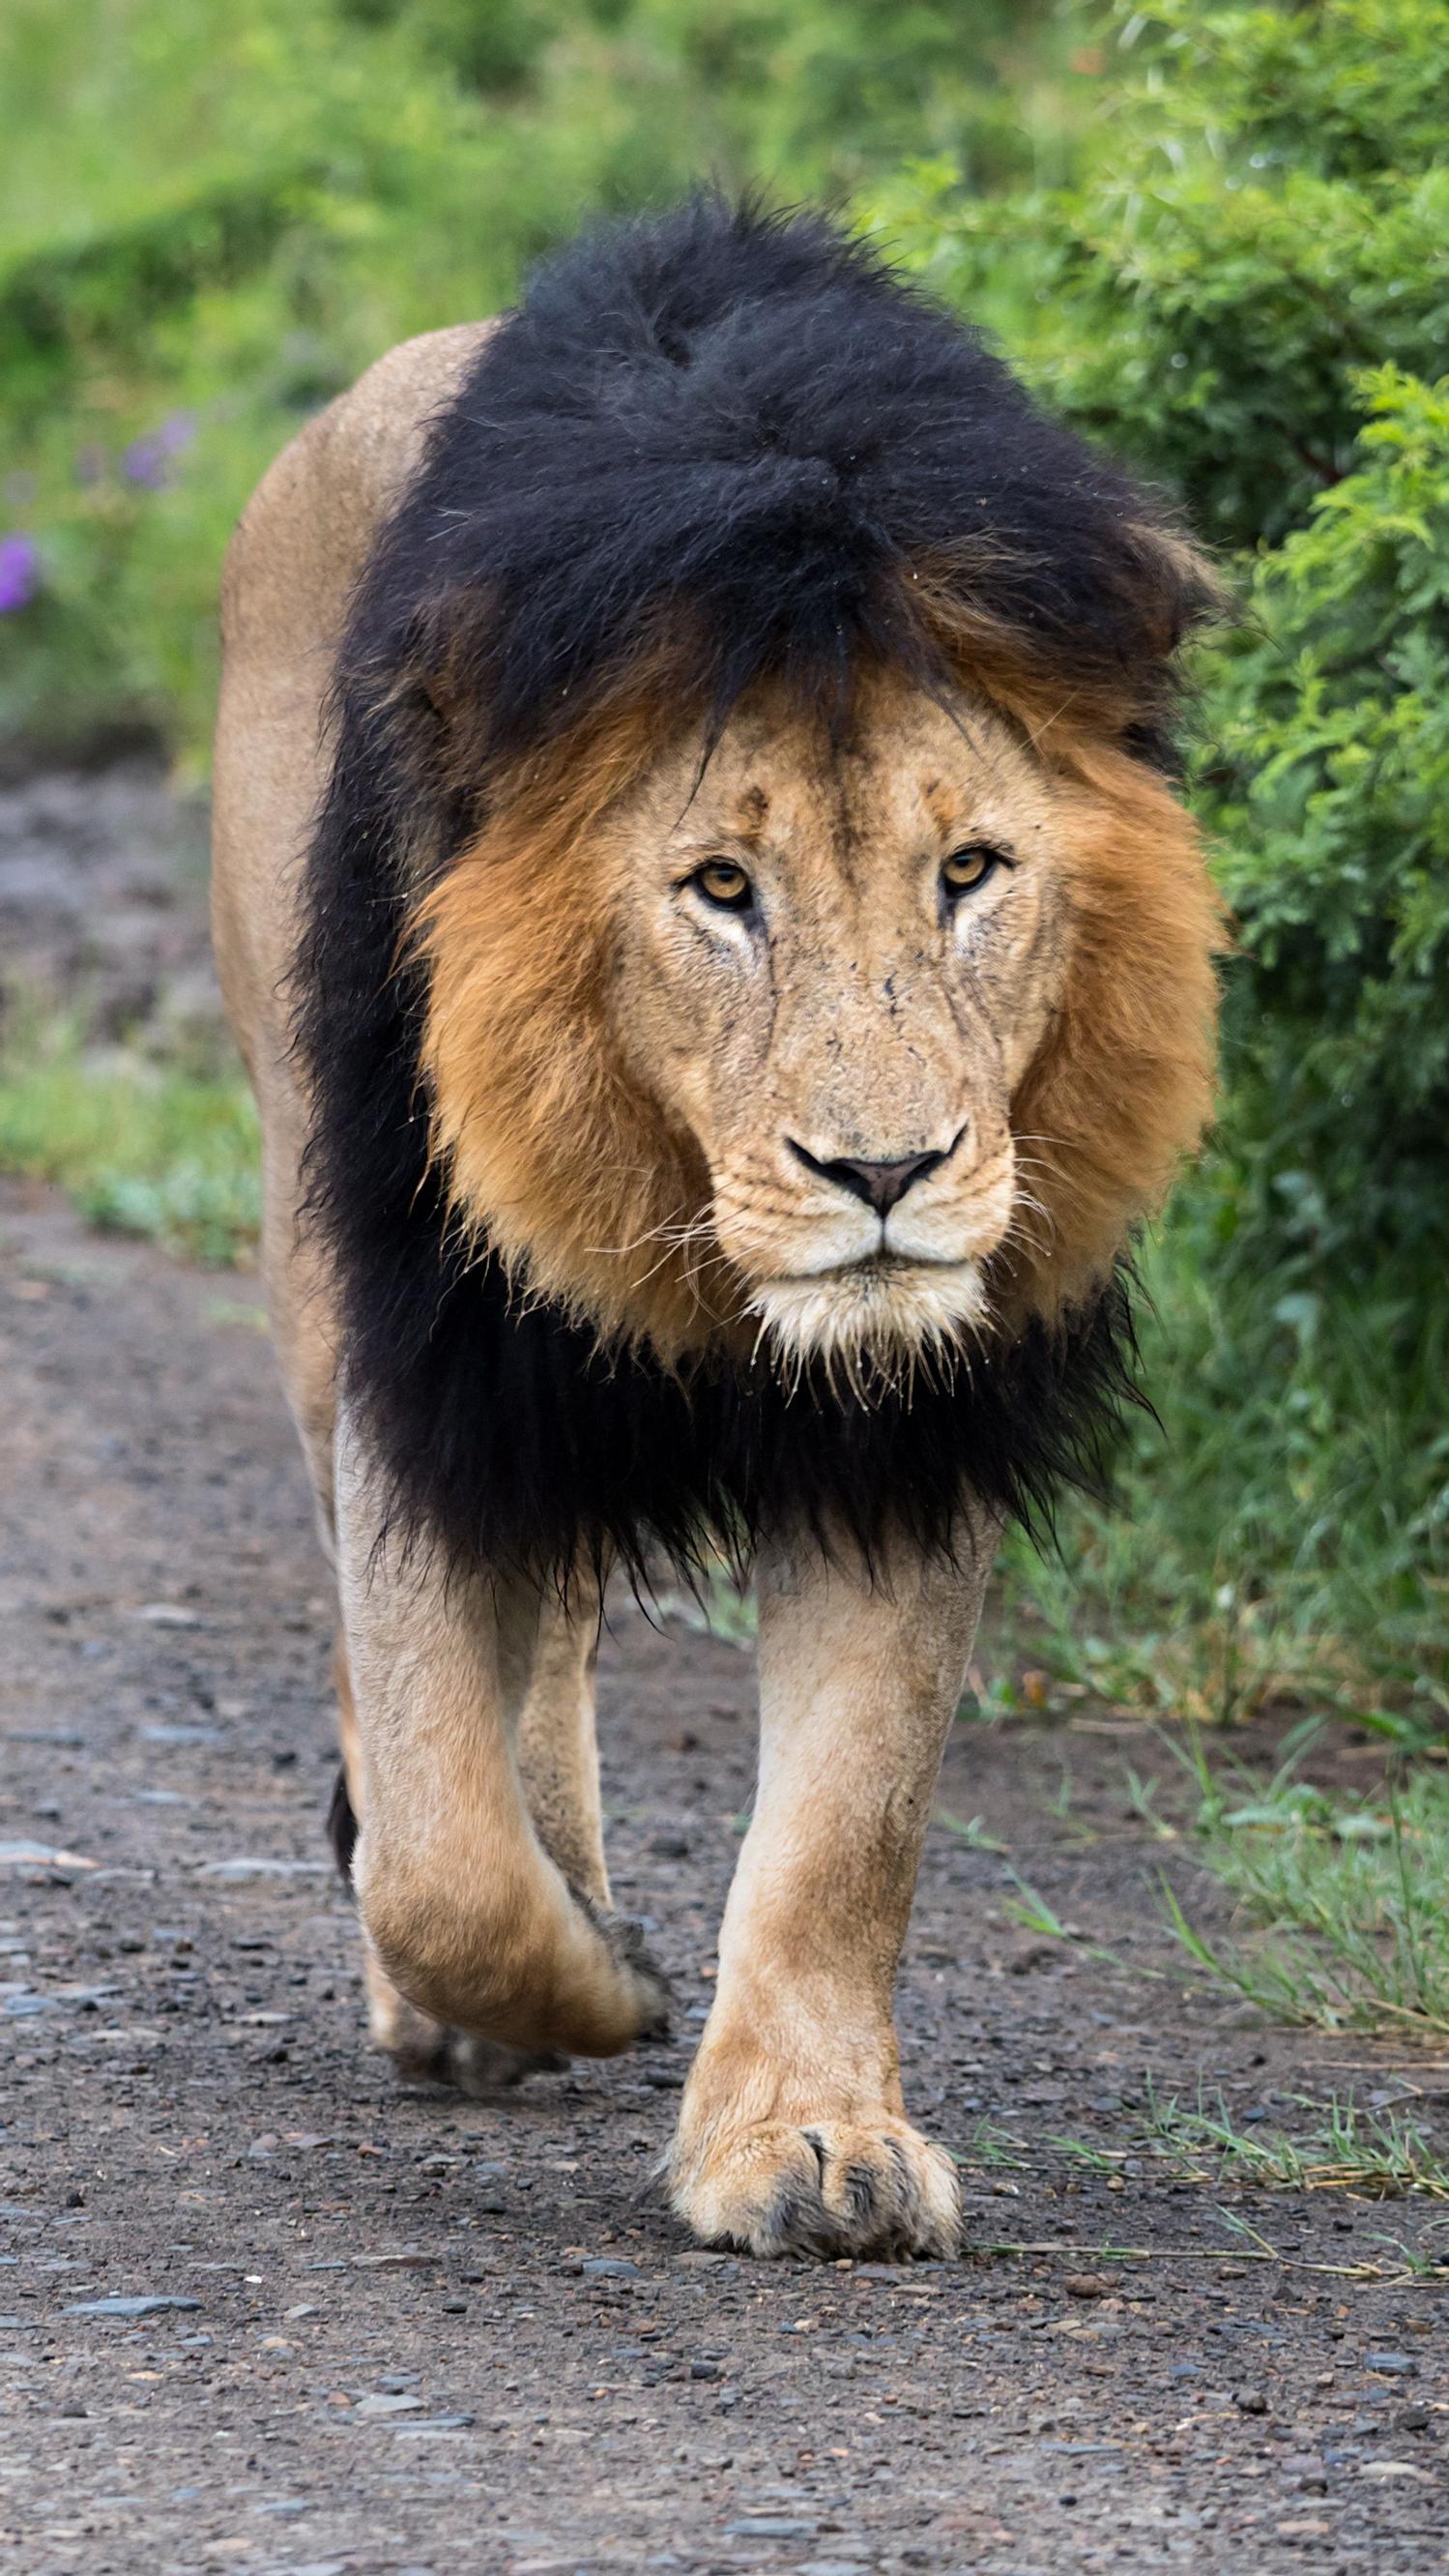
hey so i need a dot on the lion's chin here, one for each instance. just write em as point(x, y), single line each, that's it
point(873, 1325)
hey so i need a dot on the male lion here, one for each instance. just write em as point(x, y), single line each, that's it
point(722, 970)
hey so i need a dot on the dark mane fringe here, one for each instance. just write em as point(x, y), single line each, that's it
point(744, 425)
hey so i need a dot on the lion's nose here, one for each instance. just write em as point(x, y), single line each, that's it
point(881, 1185)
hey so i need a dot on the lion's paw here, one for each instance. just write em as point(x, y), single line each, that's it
point(653, 1996)
point(483, 2067)
point(425, 2051)
point(824, 2188)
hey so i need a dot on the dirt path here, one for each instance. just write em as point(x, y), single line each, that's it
point(401, 2332)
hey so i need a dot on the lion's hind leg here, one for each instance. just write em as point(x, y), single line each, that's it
point(469, 1914)
point(422, 2049)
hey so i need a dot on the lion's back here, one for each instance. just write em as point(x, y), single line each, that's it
point(297, 551)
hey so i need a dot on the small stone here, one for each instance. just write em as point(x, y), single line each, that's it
point(769, 2526)
point(1412, 2419)
point(1250, 2401)
point(705, 2370)
point(1391, 2365)
point(409, 2260)
point(609, 2267)
point(1088, 2285)
point(244, 1865)
point(390, 2405)
point(24, 1855)
point(142, 2306)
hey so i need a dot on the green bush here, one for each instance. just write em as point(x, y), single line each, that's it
point(1272, 219)
point(1325, 780)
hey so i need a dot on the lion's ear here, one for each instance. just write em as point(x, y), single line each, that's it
point(445, 670)
point(1179, 586)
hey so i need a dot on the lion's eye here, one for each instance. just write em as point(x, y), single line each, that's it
point(966, 869)
point(722, 883)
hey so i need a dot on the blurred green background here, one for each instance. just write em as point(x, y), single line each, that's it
point(1218, 239)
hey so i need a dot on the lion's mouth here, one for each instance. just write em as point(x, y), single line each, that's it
point(881, 1314)
point(870, 1269)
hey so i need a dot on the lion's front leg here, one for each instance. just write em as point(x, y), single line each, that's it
point(793, 2137)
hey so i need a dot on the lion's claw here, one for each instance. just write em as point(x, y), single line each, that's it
point(825, 2188)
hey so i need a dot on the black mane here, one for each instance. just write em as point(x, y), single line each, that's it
point(749, 419)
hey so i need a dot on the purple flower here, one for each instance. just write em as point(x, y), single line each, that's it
point(19, 571)
point(146, 460)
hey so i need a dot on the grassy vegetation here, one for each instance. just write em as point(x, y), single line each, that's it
point(1345, 1923)
point(143, 1148)
point(1338, 2145)
point(1342, 2146)
point(1275, 1539)
point(1339, 1916)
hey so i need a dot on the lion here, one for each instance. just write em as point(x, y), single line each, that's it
point(701, 897)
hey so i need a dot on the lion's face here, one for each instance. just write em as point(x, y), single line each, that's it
point(835, 966)
point(852, 1048)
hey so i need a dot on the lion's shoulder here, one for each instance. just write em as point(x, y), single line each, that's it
point(304, 535)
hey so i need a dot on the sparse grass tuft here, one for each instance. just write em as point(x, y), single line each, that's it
point(1348, 1897)
point(1377, 2154)
point(1339, 2145)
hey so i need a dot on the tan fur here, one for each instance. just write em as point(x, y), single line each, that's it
point(614, 1087)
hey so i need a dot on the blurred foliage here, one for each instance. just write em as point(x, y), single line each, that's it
point(211, 219)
